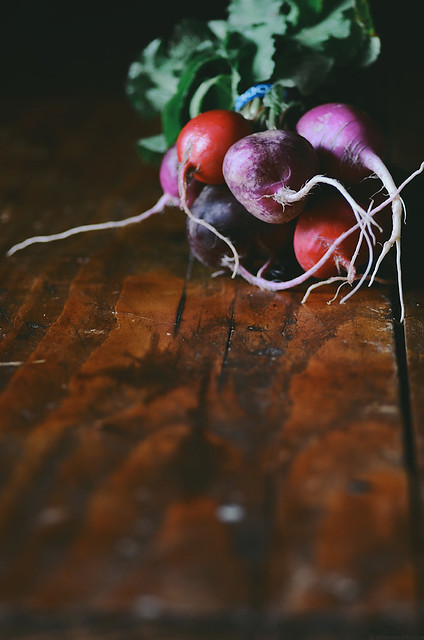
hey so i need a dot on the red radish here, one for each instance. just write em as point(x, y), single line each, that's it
point(204, 141)
point(317, 227)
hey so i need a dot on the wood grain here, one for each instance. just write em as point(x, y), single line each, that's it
point(184, 450)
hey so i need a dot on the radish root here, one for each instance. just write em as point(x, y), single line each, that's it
point(164, 201)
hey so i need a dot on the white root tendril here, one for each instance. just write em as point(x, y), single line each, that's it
point(343, 280)
point(321, 283)
point(398, 212)
point(164, 201)
point(264, 267)
point(289, 196)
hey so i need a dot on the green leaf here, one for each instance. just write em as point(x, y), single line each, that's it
point(154, 77)
point(370, 51)
point(151, 72)
point(336, 26)
point(263, 61)
point(308, 58)
point(213, 93)
point(152, 149)
point(299, 45)
point(249, 13)
point(240, 52)
point(259, 22)
point(177, 110)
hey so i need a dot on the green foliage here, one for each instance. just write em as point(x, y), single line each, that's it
point(297, 44)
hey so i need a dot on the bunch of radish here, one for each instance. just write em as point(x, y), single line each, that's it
point(254, 197)
point(273, 175)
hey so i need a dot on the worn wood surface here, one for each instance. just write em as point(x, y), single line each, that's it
point(186, 456)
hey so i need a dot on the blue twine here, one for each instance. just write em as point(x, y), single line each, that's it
point(256, 91)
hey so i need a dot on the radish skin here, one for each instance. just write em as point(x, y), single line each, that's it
point(316, 229)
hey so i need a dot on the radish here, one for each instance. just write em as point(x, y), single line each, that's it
point(345, 138)
point(317, 227)
point(252, 238)
point(265, 170)
point(168, 172)
point(217, 206)
point(204, 141)
point(321, 224)
point(350, 145)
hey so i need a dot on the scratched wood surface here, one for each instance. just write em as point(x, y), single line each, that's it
point(181, 455)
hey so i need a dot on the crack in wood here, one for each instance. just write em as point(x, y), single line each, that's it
point(231, 327)
point(410, 456)
point(182, 301)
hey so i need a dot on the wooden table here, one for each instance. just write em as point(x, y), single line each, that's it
point(185, 456)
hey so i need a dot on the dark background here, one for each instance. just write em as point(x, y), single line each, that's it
point(52, 47)
point(49, 46)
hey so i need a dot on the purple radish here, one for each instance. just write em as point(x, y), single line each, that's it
point(265, 170)
point(217, 206)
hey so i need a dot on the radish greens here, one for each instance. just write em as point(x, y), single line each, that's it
point(297, 44)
